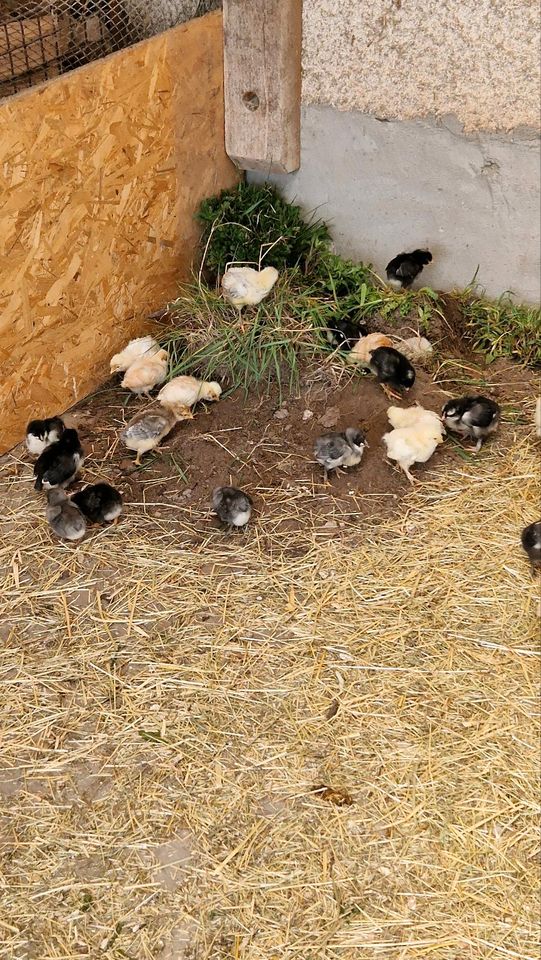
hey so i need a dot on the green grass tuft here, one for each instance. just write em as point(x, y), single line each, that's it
point(502, 328)
point(252, 224)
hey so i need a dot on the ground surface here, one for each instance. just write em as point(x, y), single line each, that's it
point(173, 696)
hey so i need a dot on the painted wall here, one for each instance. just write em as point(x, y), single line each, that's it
point(389, 186)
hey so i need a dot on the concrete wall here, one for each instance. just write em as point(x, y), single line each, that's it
point(390, 186)
point(476, 59)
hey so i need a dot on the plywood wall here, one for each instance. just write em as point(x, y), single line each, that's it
point(101, 172)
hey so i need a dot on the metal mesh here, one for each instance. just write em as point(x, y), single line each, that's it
point(40, 40)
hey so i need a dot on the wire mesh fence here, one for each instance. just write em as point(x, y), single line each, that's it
point(40, 40)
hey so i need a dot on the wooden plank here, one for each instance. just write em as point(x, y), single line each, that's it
point(262, 81)
point(101, 173)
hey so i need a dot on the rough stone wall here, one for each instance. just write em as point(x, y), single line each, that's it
point(401, 59)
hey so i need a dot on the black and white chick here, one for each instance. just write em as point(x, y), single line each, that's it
point(476, 417)
point(59, 464)
point(335, 450)
point(99, 502)
point(40, 434)
point(232, 506)
point(403, 269)
point(393, 371)
point(343, 334)
point(531, 543)
point(64, 518)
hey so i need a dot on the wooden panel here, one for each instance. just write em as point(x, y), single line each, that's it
point(262, 53)
point(101, 172)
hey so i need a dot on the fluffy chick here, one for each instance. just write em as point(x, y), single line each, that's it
point(411, 416)
point(531, 543)
point(474, 417)
point(414, 444)
point(99, 502)
point(362, 351)
point(40, 434)
point(232, 506)
point(344, 334)
point(147, 429)
point(59, 464)
point(402, 270)
point(393, 370)
point(146, 373)
point(183, 392)
point(135, 350)
point(335, 450)
point(244, 286)
point(64, 517)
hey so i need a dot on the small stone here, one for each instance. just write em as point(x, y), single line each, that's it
point(127, 466)
point(281, 414)
point(330, 418)
point(307, 415)
point(187, 493)
point(330, 525)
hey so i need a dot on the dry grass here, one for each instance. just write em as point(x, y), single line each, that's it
point(170, 700)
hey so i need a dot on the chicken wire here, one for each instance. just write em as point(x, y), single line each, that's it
point(40, 40)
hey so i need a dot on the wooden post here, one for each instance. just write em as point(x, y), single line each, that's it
point(262, 83)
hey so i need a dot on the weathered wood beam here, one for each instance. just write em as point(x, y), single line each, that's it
point(262, 83)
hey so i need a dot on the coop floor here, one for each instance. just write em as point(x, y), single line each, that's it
point(174, 695)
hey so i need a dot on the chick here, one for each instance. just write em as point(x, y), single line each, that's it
point(147, 372)
point(64, 517)
point(186, 391)
point(99, 502)
point(414, 444)
point(40, 434)
point(146, 429)
point(531, 542)
point(474, 417)
point(416, 349)
point(59, 464)
point(392, 370)
point(142, 347)
point(244, 286)
point(335, 450)
point(402, 270)
point(343, 334)
point(537, 417)
point(411, 416)
point(362, 351)
point(232, 506)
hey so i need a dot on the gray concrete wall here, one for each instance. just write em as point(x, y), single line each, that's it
point(473, 200)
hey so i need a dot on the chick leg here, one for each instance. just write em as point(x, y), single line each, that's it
point(477, 446)
point(390, 394)
point(137, 460)
point(409, 475)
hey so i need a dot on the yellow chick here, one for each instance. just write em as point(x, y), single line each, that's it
point(411, 416)
point(147, 429)
point(360, 352)
point(244, 286)
point(146, 373)
point(187, 391)
point(415, 443)
point(142, 347)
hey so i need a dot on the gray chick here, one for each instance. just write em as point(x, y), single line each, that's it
point(65, 519)
point(232, 506)
point(335, 450)
point(531, 543)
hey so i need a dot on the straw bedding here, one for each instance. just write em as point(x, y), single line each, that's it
point(172, 703)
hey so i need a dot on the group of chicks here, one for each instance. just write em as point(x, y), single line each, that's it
point(415, 435)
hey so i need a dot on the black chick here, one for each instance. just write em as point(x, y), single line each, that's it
point(344, 334)
point(40, 434)
point(402, 270)
point(531, 542)
point(99, 502)
point(232, 506)
point(57, 466)
point(392, 370)
point(474, 417)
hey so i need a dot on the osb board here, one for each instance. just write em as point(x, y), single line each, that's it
point(101, 172)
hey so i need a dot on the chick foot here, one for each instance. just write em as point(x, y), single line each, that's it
point(390, 394)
